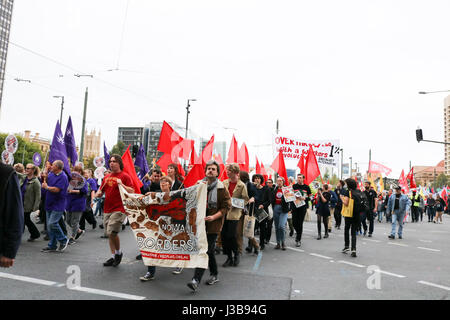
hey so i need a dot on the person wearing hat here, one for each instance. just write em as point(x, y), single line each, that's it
point(398, 204)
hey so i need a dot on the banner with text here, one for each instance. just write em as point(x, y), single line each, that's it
point(170, 228)
point(327, 151)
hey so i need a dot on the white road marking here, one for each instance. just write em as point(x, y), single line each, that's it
point(398, 244)
point(60, 285)
point(307, 229)
point(436, 250)
point(320, 256)
point(372, 240)
point(391, 274)
point(108, 293)
point(434, 285)
point(352, 264)
point(299, 250)
point(428, 241)
point(27, 279)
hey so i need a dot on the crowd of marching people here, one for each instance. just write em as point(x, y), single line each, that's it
point(64, 208)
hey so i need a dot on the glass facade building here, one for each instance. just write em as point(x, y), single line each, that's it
point(6, 7)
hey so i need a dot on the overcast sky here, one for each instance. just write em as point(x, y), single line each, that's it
point(347, 70)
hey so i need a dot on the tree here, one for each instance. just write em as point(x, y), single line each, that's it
point(25, 151)
point(119, 148)
point(440, 181)
point(89, 163)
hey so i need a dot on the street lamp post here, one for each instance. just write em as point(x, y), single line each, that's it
point(187, 116)
point(351, 167)
point(84, 115)
point(62, 108)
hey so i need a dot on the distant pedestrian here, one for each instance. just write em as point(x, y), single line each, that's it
point(11, 216)
point(369, 214)
point(31, 195)
point(431, 207)
point(440, 206)
point(415, 203)
point(298, 214)
point(323, 210)
point(75, 206)
point(351, 217)
point(338, 209)
point(398, 204)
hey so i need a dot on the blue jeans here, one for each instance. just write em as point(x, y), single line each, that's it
point(380, 216)
point(397, 217)
point(280, 219)
point(54, 230)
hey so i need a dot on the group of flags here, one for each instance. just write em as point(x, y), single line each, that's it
point(175, 148)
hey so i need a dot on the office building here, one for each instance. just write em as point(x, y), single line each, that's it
point(133, 136)
point(6, 7)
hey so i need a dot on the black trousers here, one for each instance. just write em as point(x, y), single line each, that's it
point(415, 214)
point(212, 264)
point(338, 216)
point(89, 217)
point(320, 220)
point(229, 238)
point(298, 216)
point(371, 218)
point(268, 233)
point(34, 232)
point(351, 224)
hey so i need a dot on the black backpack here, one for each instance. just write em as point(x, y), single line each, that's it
point(361, 201)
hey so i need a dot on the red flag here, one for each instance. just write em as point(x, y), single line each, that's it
point(183, 149)
point(194, 158)
point(164, 162)
point(378, 168)
point(168, 138)
point(312, 170)
point(410, 177)
point(301, 164)
point(196, 173)
point(207, 151)
point(258, 167)
point(223, 172)
point(264, 173)
point(403, 182)
point(181, 170)
point(279, 167)
point(128, 167)
point(243, 158)
point(233, 152)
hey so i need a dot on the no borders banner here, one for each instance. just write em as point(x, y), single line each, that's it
point(170, 233)
point(327, 151)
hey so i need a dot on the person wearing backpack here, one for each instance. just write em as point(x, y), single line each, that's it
point(398, 204)
point(351, 208)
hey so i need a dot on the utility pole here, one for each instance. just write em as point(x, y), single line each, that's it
point(187, 124)
point(351, 167)
point(278, 126)
point(84, 124)
point(342, 162)
point(62, 108)
point(370, 159)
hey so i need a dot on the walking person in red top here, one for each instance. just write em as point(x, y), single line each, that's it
point(114, 212)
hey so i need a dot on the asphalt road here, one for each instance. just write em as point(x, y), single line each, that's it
point(416, 267)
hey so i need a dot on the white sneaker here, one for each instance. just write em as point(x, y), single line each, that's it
point(177, 271)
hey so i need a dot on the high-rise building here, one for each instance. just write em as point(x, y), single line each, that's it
point(447, 134)
point(6, 7)
point(134, 136)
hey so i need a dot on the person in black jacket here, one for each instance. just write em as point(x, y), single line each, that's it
point(269, 224)
point(262, 202)
point(338, 209)
point(174, 175)
point(323, 210)
point(298, 214)
point(280, 213)
point(11, 216)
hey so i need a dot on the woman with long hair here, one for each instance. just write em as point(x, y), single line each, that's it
point(75, 206)
point(280, 213)
point(174, 174)
point(31, 195)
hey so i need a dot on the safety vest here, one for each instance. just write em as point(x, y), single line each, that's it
point(416, 203)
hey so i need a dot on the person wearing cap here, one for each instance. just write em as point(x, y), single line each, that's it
point(415, 203)
point(398, 204)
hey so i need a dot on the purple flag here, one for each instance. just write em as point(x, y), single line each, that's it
point(106, 155)
point(69, 141)
point(58, 150)
point(141, 162)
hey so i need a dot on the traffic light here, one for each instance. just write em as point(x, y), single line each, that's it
point(419, 135)
point(135, 150)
